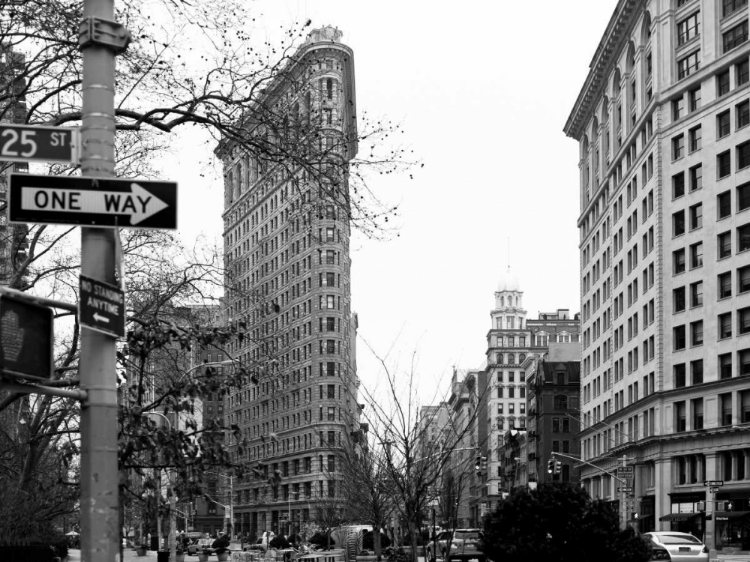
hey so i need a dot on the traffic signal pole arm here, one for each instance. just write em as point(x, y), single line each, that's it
point(620, 480)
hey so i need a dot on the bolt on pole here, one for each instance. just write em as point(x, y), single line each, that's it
point(100, 536)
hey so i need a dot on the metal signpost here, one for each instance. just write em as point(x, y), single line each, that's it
point(24, 143)
point(92, 202)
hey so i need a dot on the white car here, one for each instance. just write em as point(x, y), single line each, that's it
point(262, 542)
point(681, 547)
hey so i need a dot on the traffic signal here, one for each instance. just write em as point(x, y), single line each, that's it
point(478, 465)
point(558, 467)
point(551, 465)
point(484, 464)
point(26, 337)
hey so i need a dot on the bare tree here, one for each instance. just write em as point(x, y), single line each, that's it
point(414, 460)
point(365, 485)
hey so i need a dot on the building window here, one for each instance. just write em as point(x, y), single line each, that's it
point(724, 164)
point(679, 416)
point(743, 320)
point(725, 285)
point(678, 261)
point(696, 371)
point(679, 375)
point(696, 216)
point(725, 366)
point(743, 357)
point(678, 108)
point(735, 36)
point(696, 255)
point(722, 83)
point(743, 279)
point(696, 333)
point(561, 402)
point(723, 124)
point(743, 155)
point(678, 298)
point(678, 185)
point(678, 223)
point(696, 294)
point(678, 338)
point(743, 238)
point(696, 177)
point(724, 204)
point(678, 147)
point(688, 65)
point(725, 325)
point(731, 6)
point(725, 244)
point(742, 72)
point(725, 409)
point(743, 114)
point(695, 138)
point(687, 28)
point(743, 197)
point(697, 406)
point(694, 99)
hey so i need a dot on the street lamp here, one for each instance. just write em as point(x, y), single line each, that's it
point(172, 498)
point(228, 509)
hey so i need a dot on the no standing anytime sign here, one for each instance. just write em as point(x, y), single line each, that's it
point(102, 307)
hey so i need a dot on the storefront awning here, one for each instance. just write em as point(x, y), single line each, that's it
point(678, 516)
point(727, 515)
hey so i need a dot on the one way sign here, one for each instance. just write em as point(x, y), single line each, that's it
point(93, 201)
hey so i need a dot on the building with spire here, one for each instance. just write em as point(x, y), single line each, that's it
point(286, 239)
point(511, 340)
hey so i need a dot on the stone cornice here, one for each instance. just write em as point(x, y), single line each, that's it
point(614, 38)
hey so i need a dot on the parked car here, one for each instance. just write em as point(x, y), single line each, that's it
point(680, 547)
point(466, 545)
point(261, 543)
point(203, 545)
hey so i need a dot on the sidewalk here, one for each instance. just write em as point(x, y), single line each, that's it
point(129, 555)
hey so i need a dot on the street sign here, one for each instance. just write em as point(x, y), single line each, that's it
point(102, 307)
point(624, 471)
point(713, 489)
point(626, 490)
point(23, 143)
point(26, 338)
point(713, 482)
point(93, 201)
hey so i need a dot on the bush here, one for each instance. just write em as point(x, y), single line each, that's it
point(550, 523)
point(279, 541)
point(369, 544)
point(321, 540)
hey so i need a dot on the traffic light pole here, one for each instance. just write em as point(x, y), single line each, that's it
point(99, 38)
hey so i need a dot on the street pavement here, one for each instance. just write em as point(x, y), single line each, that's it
point(130, 556)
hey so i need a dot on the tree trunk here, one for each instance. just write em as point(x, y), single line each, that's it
point(376, 541)
point(413, 539)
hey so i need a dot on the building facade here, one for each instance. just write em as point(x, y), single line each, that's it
point(287, 257)
point(511, 341)
point(662, 126)
point(554, 385)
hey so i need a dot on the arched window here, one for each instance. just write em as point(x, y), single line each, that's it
point(630, 60)
point(646, 29)
point(511, 359)
point(500, 359)
point(502, 301)
point(521, 357)
point(561, 402)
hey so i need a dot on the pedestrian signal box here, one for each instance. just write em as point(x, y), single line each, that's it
point(26, 338)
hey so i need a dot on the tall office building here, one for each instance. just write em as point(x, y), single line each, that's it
point(288, 283)
point(662, 125)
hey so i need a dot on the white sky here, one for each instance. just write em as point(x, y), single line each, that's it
point(483, 90)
